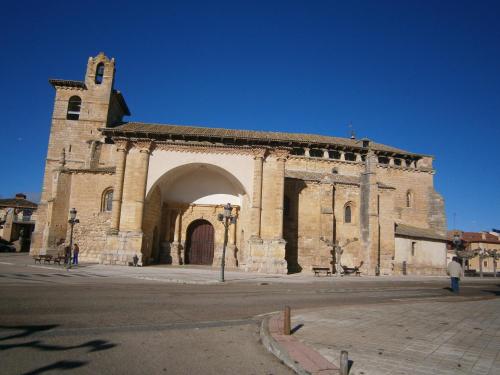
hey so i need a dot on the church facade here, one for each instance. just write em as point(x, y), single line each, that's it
point(155, 191)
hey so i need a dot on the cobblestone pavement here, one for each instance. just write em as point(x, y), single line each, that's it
point(456, 337)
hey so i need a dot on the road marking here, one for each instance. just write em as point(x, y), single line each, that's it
point(7, 263)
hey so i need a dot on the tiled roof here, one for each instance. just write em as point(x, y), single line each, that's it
point(476, 237)
point(409, 231)
point(287, 139)
point(17, 203)
point(67, 83)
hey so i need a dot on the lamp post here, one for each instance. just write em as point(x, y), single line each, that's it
point(227, 219)
point(72, 221)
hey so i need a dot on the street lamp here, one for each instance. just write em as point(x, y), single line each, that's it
point(72, 221)
point(227, 219)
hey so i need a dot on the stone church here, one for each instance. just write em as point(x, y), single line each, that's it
point(156, 190)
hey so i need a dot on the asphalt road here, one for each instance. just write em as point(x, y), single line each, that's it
point(52, 320)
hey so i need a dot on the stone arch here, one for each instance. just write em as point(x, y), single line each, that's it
point(172, 178)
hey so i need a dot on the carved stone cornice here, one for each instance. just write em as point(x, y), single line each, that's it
point(280, 154)
point(259, 153)
point(145, 146)
point(206, 149)
point(122, 144)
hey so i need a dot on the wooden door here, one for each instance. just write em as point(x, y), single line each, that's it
point(200, 243)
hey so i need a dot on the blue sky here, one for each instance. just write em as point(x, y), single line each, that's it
point(419, 75)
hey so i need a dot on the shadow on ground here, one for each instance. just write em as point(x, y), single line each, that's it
point(29, 330)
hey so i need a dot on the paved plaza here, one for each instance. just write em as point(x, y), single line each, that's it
point(455, 337)
point(146, 319)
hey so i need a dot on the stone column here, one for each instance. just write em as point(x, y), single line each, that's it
point(231, 247)
point(142, 176)
point(177, 257)
point(306, 151)
point(358, 157)
point(391, 161)
point(121, 149)
point(280, 190)
point(342, 155)
point(325, 154)
point(257, 193)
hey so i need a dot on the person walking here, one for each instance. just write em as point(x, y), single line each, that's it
point(455, 271)
point(76, 250)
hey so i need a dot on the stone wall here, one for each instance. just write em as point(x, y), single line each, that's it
point(428, 258)
point(86, 196)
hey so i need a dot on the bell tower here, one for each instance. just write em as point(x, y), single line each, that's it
point(81, 108)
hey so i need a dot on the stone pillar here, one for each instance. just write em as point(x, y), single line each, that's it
point(391, 161)
point(257, 193)
point(369, 223)
point(176, 248)
point(280, 191)
point(142, 176)
point(268, 253)
point(342, 155)
point(358, 157)
point(306, 151)
point(231, 247)
point(325, 154)
point(121, 149)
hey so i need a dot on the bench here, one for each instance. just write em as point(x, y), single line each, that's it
point(58, 259)
point(352, 270)
point(45, 258)
point(318, 270)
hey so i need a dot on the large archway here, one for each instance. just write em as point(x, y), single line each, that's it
point(199, 243)
point(183, 196)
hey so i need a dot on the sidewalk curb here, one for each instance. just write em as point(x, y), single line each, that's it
point(293, 353)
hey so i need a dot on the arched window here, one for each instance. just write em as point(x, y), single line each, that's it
point(409, 198)
point(99, 73)
point(107, 200)
point(74, 106)
point(347, 214)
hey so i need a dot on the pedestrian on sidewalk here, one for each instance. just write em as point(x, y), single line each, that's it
point(455, 271)
point(76, 250)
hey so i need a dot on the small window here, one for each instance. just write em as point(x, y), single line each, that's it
point(74, 106)
point(315, 153)
point(409, 199)
point(107, 201)
point(347, 214)
point(413, 248)
point(298, 151)
point(383, 160)
point(334, 154)
point(99, 73)
point(349, 156)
